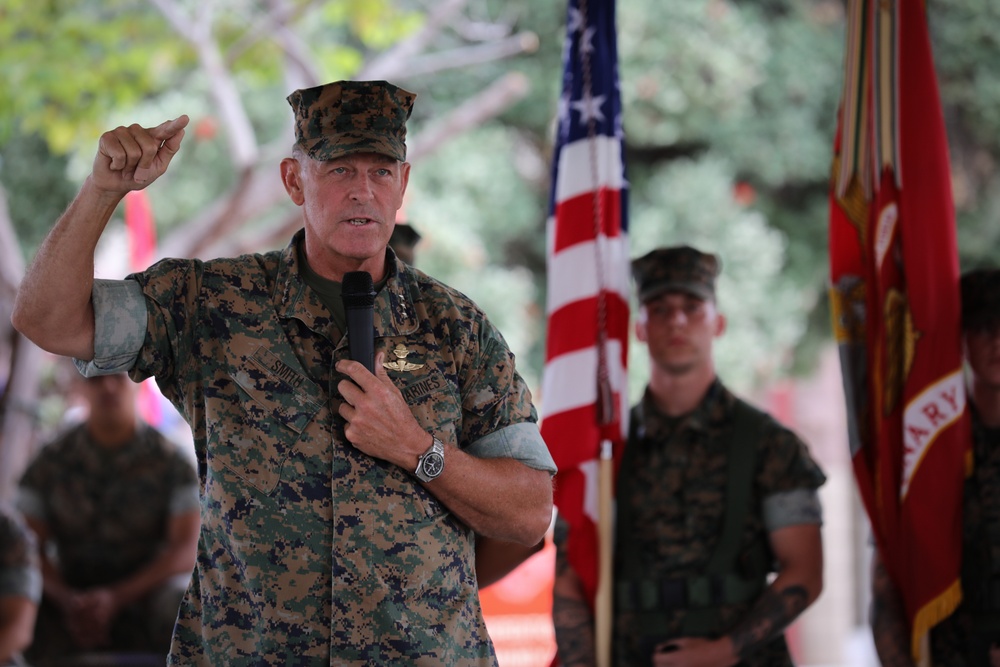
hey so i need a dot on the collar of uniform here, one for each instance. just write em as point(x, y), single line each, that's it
point(709, 416)
point(293, 299)
point(394, 305)
point(394, 312)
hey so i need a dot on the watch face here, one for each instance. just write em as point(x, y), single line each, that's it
point(432, 464)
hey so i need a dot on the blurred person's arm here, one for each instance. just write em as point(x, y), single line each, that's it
point(65, 598)
point(495, 559)
point(53, 585)
point(888, 621)
point(798, 550)
point(571, 615)
point(176, 557)
point(17, 624)
point(20, 586)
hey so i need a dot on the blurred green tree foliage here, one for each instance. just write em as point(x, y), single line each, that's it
point(729, 117)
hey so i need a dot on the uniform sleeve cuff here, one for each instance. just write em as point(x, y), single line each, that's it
point(119, 327)
point(522, 442)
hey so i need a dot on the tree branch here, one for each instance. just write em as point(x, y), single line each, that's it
point(476, 110)
point(524, 42)
point(392, 63)
point(239, 130)
point(275, 25)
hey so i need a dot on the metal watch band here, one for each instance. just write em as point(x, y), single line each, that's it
point(431, 463)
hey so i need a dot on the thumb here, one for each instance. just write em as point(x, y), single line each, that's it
point(380, 371)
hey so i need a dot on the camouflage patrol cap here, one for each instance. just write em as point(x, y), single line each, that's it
point(345, 117)
point(980, 299)
point(676, 269)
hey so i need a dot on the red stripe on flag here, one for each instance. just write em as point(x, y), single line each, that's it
point(576, 218)
point(575, 425)
point(572, 327)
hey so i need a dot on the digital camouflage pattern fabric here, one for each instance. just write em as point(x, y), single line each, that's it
point(311, 552)
point(672, 499)
point(345, 117)
point(107, 510)
point(676, 269)
point(964, 638)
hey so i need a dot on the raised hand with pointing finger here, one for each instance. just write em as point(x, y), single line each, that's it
point(130, 158)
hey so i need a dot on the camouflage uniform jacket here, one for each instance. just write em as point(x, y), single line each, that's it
point(107, 509)
point(963, 639)
point(673, 484)
point(312, 552)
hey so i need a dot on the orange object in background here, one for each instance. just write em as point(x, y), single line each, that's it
point(518, 611)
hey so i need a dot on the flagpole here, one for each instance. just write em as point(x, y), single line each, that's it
point(925, 651)
point(603, 607)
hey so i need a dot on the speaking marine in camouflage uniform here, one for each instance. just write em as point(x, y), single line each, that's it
point(114, 504)
point(339, 507)
point(713, 497)
point(970, 637)
point(20, 586)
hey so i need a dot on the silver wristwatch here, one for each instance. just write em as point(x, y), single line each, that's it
point(431, 463)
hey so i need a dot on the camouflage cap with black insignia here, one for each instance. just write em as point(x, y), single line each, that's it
point(676, 269)
point(345, 117)
point(980, 299)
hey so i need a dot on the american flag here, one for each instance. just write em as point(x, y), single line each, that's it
point(584, 398)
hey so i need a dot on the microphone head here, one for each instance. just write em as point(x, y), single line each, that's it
point(357, 290)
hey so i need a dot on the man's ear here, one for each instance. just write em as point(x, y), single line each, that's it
point(291, 177)
point(720, 324)
point(640, 326)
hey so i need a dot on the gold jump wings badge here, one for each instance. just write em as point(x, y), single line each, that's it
point(401, 364)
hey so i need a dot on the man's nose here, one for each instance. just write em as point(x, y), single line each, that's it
point(361, 187)
point(677, 316)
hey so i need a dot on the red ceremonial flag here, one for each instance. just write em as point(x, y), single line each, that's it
point(584, 397)
point(895, 305)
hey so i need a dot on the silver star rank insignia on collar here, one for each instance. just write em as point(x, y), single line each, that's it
point(400, 363)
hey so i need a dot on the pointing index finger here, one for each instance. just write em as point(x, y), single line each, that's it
point(169, 128)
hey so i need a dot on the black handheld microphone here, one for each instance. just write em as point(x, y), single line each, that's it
point(358, 294)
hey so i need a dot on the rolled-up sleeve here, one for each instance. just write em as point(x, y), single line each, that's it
point(792, 508)
point(522, 442)
point(119, 327)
